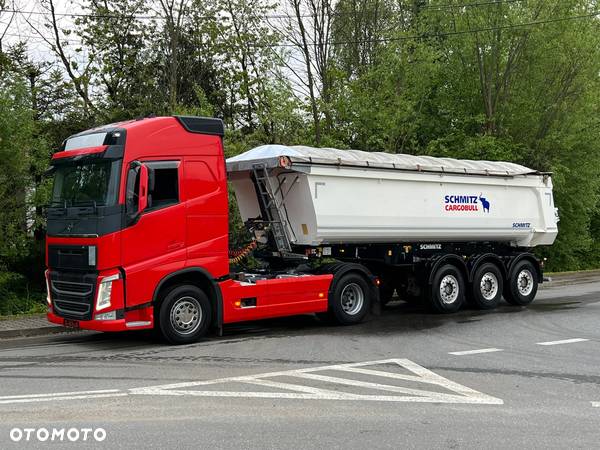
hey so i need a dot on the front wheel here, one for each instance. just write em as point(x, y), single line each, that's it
point(185, 315)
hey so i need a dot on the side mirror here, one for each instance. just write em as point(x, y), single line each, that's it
point(143, 196)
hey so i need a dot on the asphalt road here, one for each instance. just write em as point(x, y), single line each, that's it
point(527, 378)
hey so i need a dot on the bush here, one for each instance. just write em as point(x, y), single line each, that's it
point(17, 297)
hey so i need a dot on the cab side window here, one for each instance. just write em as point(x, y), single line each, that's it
point(163, 185)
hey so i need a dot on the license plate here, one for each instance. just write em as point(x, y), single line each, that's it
point(71, 323)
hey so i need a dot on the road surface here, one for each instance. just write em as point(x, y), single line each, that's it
point(514, 377)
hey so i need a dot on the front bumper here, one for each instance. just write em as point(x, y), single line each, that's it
point(126, 324)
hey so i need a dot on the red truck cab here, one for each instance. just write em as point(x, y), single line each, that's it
point(137, 236)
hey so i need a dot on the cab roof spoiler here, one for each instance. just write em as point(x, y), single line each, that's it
point(202, 125)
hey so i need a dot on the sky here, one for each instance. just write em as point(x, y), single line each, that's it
point(31, 14)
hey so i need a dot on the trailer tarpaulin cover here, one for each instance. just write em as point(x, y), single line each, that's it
point(269, 156)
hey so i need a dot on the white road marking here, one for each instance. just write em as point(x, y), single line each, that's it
point(296, 390)
point(416, 393)
point(457, 394)
point(59, 394)
point(31, 398)
point(475, 352)
point(57, 398)
point(596, 404)
point(564, 341)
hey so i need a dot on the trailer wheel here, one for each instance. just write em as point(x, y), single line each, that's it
point(351, 299)
point(522, 284)
point(447, 289)
point(487, 286)
point(185, 315)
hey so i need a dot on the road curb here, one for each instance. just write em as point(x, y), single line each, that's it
point(558, 279)
point(29, 332)
point(28, 326)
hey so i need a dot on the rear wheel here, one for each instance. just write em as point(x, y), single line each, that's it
point(487, 286)
point(447, 293)
point(185, 315)
point(522, 284)
point(350, 300)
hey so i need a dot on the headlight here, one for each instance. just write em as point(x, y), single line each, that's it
point(104, 292)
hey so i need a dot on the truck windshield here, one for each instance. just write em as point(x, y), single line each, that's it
point(87, 183)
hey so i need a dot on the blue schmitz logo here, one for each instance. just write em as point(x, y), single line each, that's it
point(466, 203)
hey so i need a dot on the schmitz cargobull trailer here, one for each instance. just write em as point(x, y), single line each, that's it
point(434, 228)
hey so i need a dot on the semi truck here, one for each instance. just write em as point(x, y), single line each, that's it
point(138, 231)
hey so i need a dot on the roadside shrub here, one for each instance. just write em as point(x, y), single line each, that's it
point(17, 297)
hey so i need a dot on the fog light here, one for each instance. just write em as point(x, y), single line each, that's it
point(112, 315)
point(104, 292)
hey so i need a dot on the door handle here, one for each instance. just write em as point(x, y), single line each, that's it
point(174, 245)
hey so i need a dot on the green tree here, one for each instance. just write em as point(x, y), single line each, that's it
point(16, 131)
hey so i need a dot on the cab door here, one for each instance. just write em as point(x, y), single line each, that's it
point(153, 242)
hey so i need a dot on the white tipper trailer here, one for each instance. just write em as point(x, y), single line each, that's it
point(438, 229)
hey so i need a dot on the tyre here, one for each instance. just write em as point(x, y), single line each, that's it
point(487, 287)
point(350, 300)
point(447, 293)
point(185, 315)
point(522, 284)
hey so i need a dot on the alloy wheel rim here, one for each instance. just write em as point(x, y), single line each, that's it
point(525, 282)
point(449, 289)
point(488, 286)
point(186, 315)
point(353, 298)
